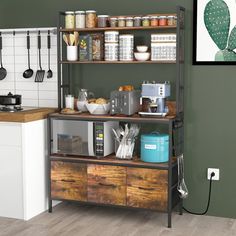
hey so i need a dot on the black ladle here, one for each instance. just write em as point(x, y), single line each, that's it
point(29, 72)
point(3, 71)
point(49, 73)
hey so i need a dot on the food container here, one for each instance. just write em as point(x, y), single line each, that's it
point(98, 109)
point(137, 21)
point(72, 53)
point(145, 21)
point(69, 20)
point(91, 19)
point(111, 51)
point(113, 22)
point(171, 20)
point(155, 148)
point(163, 38)
point(154, 21)
point(121, 22)
point(97, 46)
point(103, 21)
point(175, 20)
point(163, 51)
point(85, 47)
point(70, 101)
point(111, 36)
point(80, 19)
point(142, 56)
point(129, 22)
point(126, 47)
point(162, 20)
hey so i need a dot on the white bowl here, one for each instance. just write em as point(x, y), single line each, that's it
point(98, 109)
point(142, 56)
point(142, 48)
point(81, 105)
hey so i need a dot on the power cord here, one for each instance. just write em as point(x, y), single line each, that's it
point(209, 200)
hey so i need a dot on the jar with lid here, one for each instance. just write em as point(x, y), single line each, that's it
point(121, 21)
point(91, 19)
point(103, 21)
point(171, 20)
point(69, 101)
point(80, 19)
point(137, 21)
point(175, 20)
point(69, 20)
point(129, 21)
point(162, 20)
point(113, 21)
point(154, 21)
point(146, 21)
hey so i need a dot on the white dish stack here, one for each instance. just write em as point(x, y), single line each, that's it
point(126, 47)
point(111, 45)
point(163, 47)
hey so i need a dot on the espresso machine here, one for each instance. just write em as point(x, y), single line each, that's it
point(153, 98)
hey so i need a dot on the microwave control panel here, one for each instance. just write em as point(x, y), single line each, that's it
point(99, 138)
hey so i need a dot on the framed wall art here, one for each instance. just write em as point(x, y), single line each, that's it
point(214, 32)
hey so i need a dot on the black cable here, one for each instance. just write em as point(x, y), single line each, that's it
point(208, 203)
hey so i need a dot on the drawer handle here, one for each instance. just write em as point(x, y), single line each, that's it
point(68, 180)
point(148, 189)
point(108, 185)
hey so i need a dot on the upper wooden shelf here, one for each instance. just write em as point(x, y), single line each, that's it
point(118, 28)
point(119, 62)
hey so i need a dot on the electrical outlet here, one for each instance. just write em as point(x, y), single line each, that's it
point(216, 171)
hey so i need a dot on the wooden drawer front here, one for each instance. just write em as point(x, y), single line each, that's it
point(147, 188)
point(107, 184)
point(69, 181)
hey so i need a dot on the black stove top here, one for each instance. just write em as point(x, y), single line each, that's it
point(10, 108)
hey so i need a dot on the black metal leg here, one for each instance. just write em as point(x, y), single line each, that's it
point(181, 207)
point(169, 219)
point(50, 206)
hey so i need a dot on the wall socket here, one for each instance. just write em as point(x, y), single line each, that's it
point(216, 171)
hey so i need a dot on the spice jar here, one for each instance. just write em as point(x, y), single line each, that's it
point(171, 20)
point(80, 19)
point(137, 21)
point(121, 21)
point(113, 22)
point(154, 21)
point(91, 19)
point(129, 21)
point(145, 21)
point(162, 20)
point(103, 21)
point(175, 20)
point(69, 20)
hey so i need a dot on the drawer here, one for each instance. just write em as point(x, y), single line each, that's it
point(147, 188)
point(107, 184)
point(10, 134)
point(68, 181)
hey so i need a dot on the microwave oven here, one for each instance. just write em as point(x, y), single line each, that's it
point(83, 138)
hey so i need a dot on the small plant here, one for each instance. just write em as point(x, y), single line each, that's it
point(217, 22)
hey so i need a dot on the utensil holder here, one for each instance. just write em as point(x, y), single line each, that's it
point(72, 53)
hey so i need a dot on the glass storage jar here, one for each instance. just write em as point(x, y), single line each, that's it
point(171, 20)
point(80, 19)
point(103, 21)
point(163, 20)
point(69, 20)
point(137, 21)
point(121, 21)
point(113, 22)
point(154, 21)
point(145, 21)
point(129, 22)
point(91, 19)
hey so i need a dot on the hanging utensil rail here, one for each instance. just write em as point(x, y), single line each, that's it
point(52, 30)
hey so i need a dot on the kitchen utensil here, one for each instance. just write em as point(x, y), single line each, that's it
point(142, 48)
point(72, 39)
point(142, 56)
point(182, 188)
point(40, 73)
point(49, 73)
point(10, 100)
point(3, 71)
point(29, 72)
point(65, 38)
point(76, 34)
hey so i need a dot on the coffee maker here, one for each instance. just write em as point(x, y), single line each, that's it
point(153, 98)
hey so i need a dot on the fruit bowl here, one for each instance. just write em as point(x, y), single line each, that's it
point(98, 109)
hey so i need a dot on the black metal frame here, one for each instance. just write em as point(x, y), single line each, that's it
point(176, 123)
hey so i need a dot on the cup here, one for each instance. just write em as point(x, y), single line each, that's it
point(72, 53)
point(70, 101)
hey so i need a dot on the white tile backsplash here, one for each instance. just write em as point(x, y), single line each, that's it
point(15, 60)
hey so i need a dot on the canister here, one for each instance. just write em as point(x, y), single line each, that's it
point(113, 22)
point(91, 19)
point(111, 51)
point(69, 20)
point(146, 21)
point(171, 20)
point(129, 22)
point(162, 20)
point(80, 19)
point(126, 47)
point(111, 36)
point(103, 21)
point(155, 147)
point(154, 21)
point(137, 21)
point(121, 21)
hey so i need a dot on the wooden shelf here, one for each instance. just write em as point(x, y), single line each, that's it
point(134, 118)
point(112, 160)
point(118, 62)
point(117, 29)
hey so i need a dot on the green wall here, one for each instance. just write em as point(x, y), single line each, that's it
point(209, 99)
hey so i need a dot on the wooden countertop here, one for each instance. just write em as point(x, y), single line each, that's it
point(30, 114)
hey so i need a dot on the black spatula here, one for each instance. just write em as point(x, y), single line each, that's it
point(40, 73)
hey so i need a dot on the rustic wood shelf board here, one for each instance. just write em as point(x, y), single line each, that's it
point(118, 62)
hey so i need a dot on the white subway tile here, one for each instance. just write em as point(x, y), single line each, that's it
point(48, 103)
point(48, 95)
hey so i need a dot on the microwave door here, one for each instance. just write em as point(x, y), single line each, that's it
point(91, 137)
